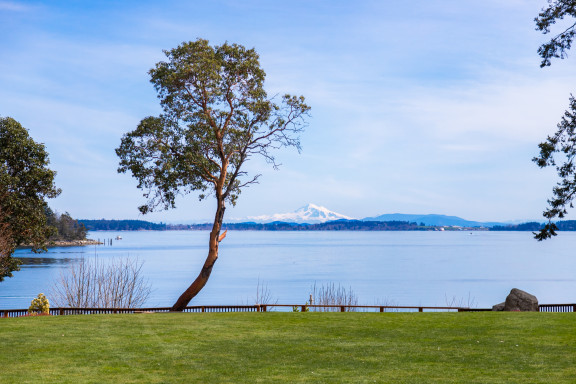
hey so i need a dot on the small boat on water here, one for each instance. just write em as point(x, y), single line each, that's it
point(118, 238)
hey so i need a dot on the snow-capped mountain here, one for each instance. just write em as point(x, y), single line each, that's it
point(310, 214)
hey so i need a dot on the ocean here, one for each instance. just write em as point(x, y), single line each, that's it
point(462, 268)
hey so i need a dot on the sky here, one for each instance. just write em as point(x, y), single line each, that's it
point(417, 107)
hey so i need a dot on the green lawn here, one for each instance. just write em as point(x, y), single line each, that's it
point(290, 348)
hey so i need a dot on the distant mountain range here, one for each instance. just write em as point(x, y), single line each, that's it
point(438, 220)
point(315, 214)
point(313, 217)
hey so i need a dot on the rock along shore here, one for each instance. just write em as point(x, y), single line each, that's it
point(73, 243)
point(68, 243)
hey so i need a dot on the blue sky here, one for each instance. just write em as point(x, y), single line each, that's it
point(417, 107)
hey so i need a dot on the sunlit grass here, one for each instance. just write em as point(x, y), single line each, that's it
point(290, 348)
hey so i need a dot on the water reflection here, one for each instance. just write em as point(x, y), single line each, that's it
point(20, 251)
point(44, 262)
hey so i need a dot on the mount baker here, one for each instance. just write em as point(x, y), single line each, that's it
point(310, 214)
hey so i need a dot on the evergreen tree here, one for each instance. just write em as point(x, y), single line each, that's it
point(25, 183)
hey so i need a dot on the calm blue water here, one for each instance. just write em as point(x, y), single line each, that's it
point(394, 268)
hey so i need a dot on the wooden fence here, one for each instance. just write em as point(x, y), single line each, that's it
point(267, 307)
point(557, 308)
point(359, 308)
point(57, 311)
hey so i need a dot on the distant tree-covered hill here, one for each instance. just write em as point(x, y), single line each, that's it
point(358, 225)
point(338, 225)
point(122, 225)
point(531, 226)
point(566, 225)
point(432, 220)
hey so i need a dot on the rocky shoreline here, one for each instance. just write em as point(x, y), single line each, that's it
point(73, 243)
point(68, 243)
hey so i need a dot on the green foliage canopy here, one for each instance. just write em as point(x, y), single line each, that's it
point(67, 228)
point(25, 183)
point(559, 44)
point(563, 144)
point(559, 150)
point(216, 115)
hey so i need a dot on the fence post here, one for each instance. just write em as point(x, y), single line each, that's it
point(381, 309)
point(61, 311)
point(420, 309)
point(264, 308)
point(342, 309)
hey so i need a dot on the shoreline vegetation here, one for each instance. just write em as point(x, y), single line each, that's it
point(67, 232)
point(338, 225)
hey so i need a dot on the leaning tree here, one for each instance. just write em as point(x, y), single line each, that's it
point(216, 115)
point(25, 184)
point(559, 150)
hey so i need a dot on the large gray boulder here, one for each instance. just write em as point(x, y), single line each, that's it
point(519, 300)
point(498, 307)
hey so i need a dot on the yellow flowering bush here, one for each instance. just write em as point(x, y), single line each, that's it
point(40, 305)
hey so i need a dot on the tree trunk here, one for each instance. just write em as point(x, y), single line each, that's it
point(202, 278)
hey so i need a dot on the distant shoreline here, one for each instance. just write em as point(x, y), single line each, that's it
point(338, 225)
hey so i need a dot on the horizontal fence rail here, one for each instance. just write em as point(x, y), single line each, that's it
point(58, 311)
point(557, 308)
point(359, 308)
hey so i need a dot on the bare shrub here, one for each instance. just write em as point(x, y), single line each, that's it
point(93, 283)
point(387, 303)
point(330, 294)
point(263, 294)
point(462, 302)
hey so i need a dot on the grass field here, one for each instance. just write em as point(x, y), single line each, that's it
point(290, 348)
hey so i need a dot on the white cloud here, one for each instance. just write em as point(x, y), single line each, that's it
point(415, 105)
